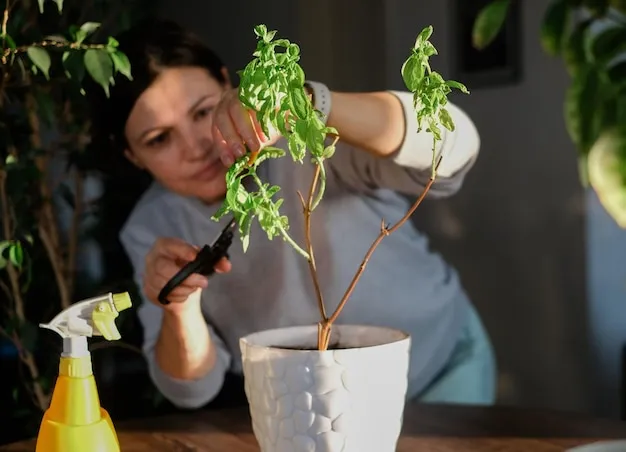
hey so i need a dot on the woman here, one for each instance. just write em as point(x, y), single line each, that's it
point(181, 121)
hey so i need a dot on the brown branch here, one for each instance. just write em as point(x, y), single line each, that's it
point(72, 248)
point(8, 234)
point(325, 327)
point(306, 208)
point(5, 19)
point(56, 261)
point(48, 229)
point(52, 44)
point(40, 399)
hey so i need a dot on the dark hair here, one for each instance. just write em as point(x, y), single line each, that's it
point(151, 47)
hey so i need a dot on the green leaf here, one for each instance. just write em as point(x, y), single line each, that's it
point(16, 254)
point(59, 5)
point(99, 65)
point(260, 30)
point(74, 65)
point(411, 73)
point(489, 22)
point(608, 44)
point(554, 27)
point(112, 43)
point(9, 40)
point(446, 119)
point(85, 30)
point(244, 230)
point(607, 172)
point(460, 86)
point(40, 2)
point(40, 59)
point(574, 54)
point(299, 102)
point(423, 36)
point(122, 63)
point(581, 108)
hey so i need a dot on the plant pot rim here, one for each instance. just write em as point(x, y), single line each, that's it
point(288, 339)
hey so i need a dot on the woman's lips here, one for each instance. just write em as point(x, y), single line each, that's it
point(208, 171)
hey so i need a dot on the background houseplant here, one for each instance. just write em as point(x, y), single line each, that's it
point(590, 37)
point(314, 387)
point(51, 50)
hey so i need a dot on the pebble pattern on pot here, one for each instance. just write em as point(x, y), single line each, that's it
point(334, 401)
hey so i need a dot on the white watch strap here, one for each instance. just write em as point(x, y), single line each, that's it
point(321, 96)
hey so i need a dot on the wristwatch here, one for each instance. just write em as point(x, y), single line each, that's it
point(321, 97)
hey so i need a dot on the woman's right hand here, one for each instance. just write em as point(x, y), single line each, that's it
point(166, 257)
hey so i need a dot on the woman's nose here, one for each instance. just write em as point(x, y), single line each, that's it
point(197, 145)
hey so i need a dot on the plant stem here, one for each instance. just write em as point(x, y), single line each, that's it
point(8, 234)
point(384, 232)
point(282, 230)
point(306, 208)
point(5, 19)
point(55, 44)
point(72, 249)
point(25, 355)
point(48, 229)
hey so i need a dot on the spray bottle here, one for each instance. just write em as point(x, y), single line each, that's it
point(75, 421)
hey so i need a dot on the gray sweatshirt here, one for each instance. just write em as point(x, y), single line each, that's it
point(405, 285)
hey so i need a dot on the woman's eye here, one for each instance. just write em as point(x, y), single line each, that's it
point(158, 140)
point(203, 112)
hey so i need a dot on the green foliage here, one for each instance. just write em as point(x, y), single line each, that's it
point(430, 90)
point(272, 85)
point(48, 53)
point(590, 37)
point(489, 22)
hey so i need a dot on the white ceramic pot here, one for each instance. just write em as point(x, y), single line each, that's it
point(347, 399)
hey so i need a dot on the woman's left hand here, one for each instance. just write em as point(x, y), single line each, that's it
point(235, 127)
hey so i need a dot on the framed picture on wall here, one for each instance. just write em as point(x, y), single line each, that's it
point(498, 64)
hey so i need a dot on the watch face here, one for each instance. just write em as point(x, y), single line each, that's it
point(601, 446)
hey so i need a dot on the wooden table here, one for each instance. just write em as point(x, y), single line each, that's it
point(431, 428)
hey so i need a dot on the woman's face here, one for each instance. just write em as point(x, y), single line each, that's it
point(169, 133)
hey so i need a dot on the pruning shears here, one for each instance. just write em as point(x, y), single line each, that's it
point(204, 263)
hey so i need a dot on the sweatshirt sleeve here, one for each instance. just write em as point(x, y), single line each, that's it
point(408, 170)
point(188, 394)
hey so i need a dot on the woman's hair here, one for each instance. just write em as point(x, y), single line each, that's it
point(151, 47)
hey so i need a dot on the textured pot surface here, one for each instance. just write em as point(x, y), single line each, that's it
point(350, 399)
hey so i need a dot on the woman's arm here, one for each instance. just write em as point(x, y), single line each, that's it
point(384, 124)
point(187, 360)
point(184, 348)
point(380, 146)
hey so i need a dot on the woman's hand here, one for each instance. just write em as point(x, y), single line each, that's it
point(163, 261)
point(235, 127)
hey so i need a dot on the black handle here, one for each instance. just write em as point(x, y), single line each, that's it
point(204, 263)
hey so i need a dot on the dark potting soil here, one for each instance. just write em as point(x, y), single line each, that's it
point(311, 349)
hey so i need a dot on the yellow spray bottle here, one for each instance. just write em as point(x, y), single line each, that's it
point(75, 421)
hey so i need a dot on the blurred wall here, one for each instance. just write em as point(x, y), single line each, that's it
point(515, 232)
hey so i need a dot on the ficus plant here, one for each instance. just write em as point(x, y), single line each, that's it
point(589, 36)
point(272, 85)
point(49, 53)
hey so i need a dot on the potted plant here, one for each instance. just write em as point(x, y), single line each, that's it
point(316, 387)
point(49, 52)
point(590, 37)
